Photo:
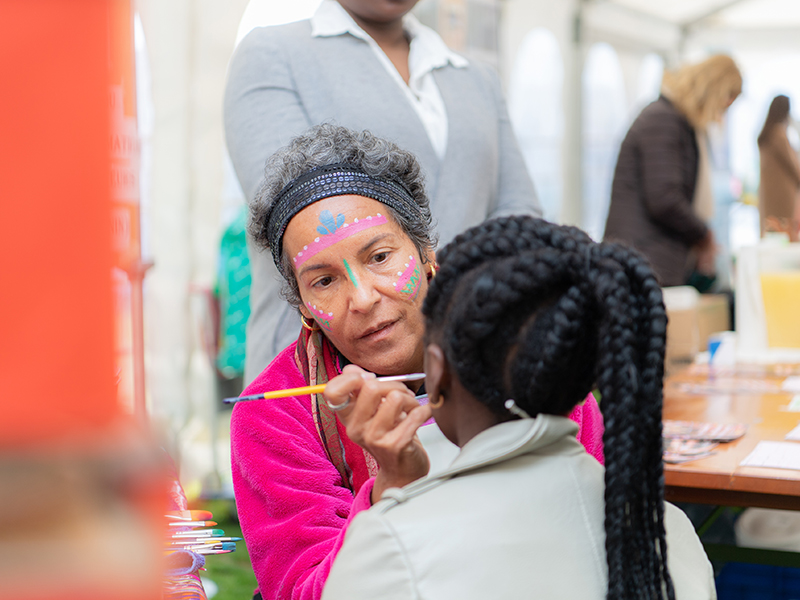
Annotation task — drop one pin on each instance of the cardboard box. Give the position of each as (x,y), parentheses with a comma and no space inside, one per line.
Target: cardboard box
(713,316)
(692,318)
(682,323)
(683,334)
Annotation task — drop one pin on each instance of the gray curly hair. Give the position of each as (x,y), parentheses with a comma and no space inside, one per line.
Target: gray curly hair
(328,144)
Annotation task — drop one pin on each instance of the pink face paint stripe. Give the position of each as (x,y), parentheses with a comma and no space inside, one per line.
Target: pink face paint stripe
(345,231)
(406,275)
(320,316)
(418,285)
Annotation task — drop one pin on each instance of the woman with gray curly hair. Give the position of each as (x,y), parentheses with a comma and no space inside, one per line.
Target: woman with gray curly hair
(347,220)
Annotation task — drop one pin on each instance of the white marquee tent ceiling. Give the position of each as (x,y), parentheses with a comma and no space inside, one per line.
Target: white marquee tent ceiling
(729,14)
(667,26)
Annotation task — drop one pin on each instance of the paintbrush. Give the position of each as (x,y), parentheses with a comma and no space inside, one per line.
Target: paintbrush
(203,541)
(314,389)
(192,523)
(189,515)
(207,552)
(198,533)
(204,548)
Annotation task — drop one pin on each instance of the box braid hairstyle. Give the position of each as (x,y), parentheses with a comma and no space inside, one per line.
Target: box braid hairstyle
(538,312)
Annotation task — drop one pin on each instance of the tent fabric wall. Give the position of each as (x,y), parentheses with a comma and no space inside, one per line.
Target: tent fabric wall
(188,47)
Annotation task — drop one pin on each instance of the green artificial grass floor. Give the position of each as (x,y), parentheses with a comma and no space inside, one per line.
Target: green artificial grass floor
(231,573)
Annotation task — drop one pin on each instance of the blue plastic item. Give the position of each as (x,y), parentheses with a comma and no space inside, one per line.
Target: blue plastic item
(741,581)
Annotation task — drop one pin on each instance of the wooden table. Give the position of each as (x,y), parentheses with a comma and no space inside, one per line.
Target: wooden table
(743,394)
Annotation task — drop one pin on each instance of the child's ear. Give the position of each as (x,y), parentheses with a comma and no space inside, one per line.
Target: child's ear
(437,372)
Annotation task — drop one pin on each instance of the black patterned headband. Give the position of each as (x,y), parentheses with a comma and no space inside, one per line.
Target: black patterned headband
(327,181)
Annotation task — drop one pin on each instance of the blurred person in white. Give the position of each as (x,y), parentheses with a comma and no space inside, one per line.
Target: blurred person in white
(779,191)
(369,64)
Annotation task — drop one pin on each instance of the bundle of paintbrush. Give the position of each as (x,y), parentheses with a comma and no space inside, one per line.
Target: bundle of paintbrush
(187,531)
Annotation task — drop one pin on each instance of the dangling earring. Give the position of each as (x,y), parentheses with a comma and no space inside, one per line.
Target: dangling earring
(306,325)
(432,272)
(438,403)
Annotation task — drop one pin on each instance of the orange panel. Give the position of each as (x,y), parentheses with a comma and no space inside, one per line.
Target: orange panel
(56,334)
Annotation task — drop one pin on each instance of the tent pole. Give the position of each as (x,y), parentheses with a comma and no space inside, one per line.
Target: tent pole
(572,208)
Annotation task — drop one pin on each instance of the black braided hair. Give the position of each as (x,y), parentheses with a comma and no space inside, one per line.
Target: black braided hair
(538,312)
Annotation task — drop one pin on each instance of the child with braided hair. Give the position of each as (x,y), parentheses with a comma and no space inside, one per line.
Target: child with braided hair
(523,319)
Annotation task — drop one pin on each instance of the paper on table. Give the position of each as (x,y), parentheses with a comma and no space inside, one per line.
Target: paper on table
(774,455)
(794,404)
(791,384)
(794,434)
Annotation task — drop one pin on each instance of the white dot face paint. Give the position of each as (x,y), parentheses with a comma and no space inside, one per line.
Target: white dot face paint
(333,230)
(321,317)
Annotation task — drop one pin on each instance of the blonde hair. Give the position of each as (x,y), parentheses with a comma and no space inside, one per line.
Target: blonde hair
(703,92)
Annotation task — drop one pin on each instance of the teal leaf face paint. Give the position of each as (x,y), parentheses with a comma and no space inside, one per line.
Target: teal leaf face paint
(410,280)
(320,316)
(350,273)
(329,225)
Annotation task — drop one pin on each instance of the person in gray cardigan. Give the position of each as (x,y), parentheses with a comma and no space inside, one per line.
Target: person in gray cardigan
(370,66)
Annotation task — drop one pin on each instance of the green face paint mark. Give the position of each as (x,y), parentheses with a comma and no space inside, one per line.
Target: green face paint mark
(350,273)
(410,279)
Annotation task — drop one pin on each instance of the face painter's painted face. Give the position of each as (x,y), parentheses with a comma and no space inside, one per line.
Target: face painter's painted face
(362,279)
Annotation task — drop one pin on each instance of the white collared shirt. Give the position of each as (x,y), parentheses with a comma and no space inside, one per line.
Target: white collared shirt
(427,53)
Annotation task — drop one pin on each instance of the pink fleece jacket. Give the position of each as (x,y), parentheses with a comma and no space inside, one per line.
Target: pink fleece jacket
(292,505)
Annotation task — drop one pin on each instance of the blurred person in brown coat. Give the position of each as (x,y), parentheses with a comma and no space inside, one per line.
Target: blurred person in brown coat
(779,192)
(661,196)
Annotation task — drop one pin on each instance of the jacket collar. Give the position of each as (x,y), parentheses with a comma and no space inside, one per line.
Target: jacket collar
(510,439)
(498,444)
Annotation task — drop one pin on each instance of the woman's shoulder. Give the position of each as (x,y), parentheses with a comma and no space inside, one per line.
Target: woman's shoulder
(282,373)
(660,121)
(265,48)
(775,139)
(278,47)
(661,106)
(263,43)
(289,33)
(660,112)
